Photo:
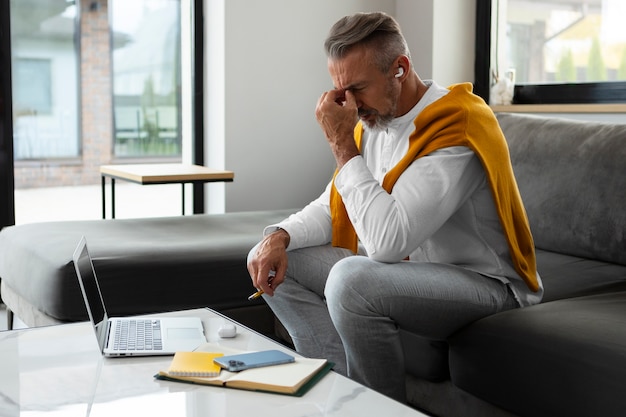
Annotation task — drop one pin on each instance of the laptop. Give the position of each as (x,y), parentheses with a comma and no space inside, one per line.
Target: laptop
(132,336)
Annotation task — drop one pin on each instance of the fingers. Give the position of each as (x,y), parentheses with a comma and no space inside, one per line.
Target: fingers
(336,112)
(329,100)
(324,104)
(269,283)
(268,266)
(350,101)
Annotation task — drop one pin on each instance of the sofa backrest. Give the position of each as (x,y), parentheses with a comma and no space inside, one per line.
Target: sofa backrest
(572,178)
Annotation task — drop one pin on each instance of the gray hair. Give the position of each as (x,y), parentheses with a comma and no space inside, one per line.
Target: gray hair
(377,31)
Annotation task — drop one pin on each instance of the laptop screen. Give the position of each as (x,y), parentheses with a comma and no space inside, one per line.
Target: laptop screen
(89,285)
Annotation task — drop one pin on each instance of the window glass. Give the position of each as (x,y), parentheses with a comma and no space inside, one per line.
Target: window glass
(561,41)
(33,82)
(45,80)
(146,77)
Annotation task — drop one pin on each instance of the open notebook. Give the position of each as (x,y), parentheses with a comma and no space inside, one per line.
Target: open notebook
(132,336)
(294,378)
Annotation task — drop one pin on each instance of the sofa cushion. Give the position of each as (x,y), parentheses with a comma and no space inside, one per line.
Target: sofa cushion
(572,178)
(143,265)
(566,276)
(564,357)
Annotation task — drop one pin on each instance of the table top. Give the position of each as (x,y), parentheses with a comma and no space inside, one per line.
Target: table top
(165,173)
(59,371)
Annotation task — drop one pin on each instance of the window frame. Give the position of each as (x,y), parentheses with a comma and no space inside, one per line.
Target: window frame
(608,92)
(7,185)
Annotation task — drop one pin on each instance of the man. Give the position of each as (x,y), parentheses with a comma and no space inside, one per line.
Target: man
(424,193)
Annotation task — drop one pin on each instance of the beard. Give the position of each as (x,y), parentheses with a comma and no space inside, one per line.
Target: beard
(381,121)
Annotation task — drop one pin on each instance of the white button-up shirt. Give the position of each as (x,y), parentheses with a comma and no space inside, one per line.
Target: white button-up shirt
(440,210)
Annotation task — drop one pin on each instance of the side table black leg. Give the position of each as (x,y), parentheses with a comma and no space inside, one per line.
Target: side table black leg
(104,205)
(183,197)
(9,319)
(112,197)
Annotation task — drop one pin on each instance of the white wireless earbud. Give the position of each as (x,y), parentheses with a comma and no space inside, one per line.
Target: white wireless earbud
(400,72)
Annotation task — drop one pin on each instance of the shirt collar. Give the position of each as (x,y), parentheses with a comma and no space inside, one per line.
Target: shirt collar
(434,93)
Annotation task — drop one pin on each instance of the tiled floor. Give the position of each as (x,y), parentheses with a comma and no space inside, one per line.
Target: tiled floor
(85,202)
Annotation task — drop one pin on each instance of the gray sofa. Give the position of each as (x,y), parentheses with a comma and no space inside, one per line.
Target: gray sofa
(566,356)
(144,265)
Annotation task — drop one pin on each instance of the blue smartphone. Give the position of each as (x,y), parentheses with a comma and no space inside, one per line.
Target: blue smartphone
(242,361)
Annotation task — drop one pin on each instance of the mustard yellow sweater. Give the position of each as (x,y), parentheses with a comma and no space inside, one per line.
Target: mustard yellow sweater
(460,118)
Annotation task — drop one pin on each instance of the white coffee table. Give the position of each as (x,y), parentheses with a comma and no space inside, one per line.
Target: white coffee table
(58,371)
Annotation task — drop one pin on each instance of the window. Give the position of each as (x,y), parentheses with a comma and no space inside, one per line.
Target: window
(146,77)
(558,51)
(33,91)
(45,80)
(58,127)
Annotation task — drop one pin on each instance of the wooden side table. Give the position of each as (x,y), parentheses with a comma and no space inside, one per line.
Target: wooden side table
(148,174)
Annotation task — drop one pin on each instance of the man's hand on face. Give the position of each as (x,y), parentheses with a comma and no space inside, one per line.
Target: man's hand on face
(337,114)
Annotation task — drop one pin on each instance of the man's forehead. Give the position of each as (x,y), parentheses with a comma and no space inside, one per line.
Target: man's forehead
(350,70)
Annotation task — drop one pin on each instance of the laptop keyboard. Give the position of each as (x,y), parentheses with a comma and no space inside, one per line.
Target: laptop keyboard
(138,335)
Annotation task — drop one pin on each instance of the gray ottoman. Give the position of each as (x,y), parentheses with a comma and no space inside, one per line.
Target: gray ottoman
(144,265)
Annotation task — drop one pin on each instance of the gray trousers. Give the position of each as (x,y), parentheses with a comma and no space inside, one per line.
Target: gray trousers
(348,309)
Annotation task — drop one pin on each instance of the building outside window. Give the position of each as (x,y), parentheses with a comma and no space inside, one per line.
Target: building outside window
(45,80)
(564,41)
(95,82)
(557,51)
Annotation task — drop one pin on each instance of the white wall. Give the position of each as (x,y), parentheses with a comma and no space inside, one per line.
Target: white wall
(266,69)
(441,35)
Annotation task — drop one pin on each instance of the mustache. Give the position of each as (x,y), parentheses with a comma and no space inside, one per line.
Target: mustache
(366,112)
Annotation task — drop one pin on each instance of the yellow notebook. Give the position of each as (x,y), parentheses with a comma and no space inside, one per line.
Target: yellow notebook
(199,364)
